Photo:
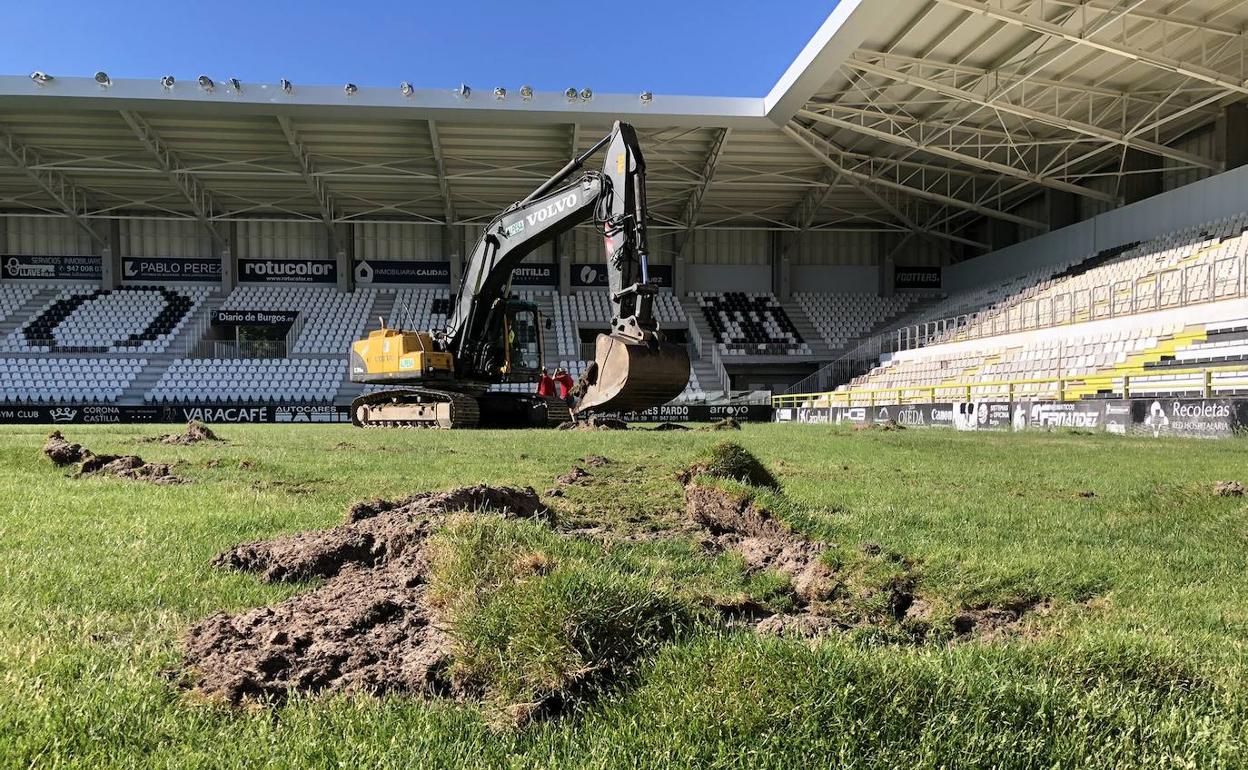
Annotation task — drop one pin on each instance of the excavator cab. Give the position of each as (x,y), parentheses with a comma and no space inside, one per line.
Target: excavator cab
(521,342)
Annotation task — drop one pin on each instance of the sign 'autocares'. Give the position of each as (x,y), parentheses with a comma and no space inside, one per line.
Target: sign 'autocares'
(287,271)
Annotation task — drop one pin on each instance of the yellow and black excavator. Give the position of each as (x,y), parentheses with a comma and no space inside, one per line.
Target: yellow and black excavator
(442,376)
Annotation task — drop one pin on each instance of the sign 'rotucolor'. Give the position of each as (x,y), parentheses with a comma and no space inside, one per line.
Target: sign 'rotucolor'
(287,271)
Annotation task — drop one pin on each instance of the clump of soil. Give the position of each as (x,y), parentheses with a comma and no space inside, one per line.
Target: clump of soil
(889,425)
(1228,489)
(669,426)
(62,453)
(195,432)
(728,460)
(596,461)
(368,629)
(594,422)
(725,424)
(574,476)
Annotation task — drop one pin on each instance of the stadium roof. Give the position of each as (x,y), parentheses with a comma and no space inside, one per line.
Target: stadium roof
(919,116)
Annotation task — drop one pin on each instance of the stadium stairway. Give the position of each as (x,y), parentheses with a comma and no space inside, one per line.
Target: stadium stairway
(383,305)
(158,363)
(708,375)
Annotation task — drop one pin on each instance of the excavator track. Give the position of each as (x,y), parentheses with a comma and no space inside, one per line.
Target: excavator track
(415,408)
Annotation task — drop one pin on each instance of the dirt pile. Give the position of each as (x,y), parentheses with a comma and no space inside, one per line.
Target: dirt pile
(889,425)
(1228,489)
(368,629)
(670,426)
(63,453)
(195,432)
(594,422)
(725,424)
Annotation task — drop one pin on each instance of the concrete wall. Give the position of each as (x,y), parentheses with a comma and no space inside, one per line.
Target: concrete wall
(1212,198)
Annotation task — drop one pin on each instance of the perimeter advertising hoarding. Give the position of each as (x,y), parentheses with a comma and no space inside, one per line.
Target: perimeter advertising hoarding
(287,271)
(370,271)
(1190,417)
(31,268)
(158,269)
(595,274)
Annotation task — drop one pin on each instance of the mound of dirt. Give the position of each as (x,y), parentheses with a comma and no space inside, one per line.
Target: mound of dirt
(830,596)
(765,544)
(368,629)
(574,476)
(669,426)
(1228,489)
(594,422)
(725,424)
(890,425)
(62,453)
(195,432)
(596,461)
(728,460)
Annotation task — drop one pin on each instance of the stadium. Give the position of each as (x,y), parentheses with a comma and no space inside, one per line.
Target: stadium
(1022,221)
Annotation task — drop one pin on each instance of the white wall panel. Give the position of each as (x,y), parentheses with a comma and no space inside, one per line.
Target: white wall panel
(46,236)
(282,240)
(729,247)
(398,241)
(164,238)
(836,247)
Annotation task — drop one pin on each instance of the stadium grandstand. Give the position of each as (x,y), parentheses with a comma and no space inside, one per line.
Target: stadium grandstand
(939,202)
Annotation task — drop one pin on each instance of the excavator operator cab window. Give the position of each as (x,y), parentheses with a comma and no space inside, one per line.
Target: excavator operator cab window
(523,342)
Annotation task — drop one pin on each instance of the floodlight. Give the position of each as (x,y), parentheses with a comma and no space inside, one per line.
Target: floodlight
(586,94)
(103,79)
(42,78)
(206,83)
(570,93)
(167,81)
(526,92)
(237,85)
(406,89)
(500,93)
(464,91)
(351,88)
(646,97)
(287,86)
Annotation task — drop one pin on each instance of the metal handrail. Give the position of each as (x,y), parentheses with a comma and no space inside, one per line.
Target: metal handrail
(1117,383)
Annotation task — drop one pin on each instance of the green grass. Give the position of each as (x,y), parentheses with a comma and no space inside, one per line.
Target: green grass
(1142,663)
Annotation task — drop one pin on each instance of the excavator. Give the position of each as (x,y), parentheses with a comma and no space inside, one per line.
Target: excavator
(441,378)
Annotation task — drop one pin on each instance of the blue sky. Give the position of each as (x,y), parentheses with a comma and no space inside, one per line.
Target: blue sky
(707,47)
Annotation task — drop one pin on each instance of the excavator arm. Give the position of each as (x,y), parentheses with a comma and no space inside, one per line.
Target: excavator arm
(634,367)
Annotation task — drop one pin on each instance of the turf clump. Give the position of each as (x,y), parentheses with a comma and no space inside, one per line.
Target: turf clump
(731,461)
(540,621)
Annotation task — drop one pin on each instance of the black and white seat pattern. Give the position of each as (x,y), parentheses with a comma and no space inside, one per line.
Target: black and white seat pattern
(750,324)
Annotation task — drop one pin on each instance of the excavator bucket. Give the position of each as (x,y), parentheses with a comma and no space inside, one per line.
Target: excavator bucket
(632,376)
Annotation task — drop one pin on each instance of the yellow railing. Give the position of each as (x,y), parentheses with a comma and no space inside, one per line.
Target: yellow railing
(1042,388)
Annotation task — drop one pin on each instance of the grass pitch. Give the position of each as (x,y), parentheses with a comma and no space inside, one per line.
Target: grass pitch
(1141,662)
